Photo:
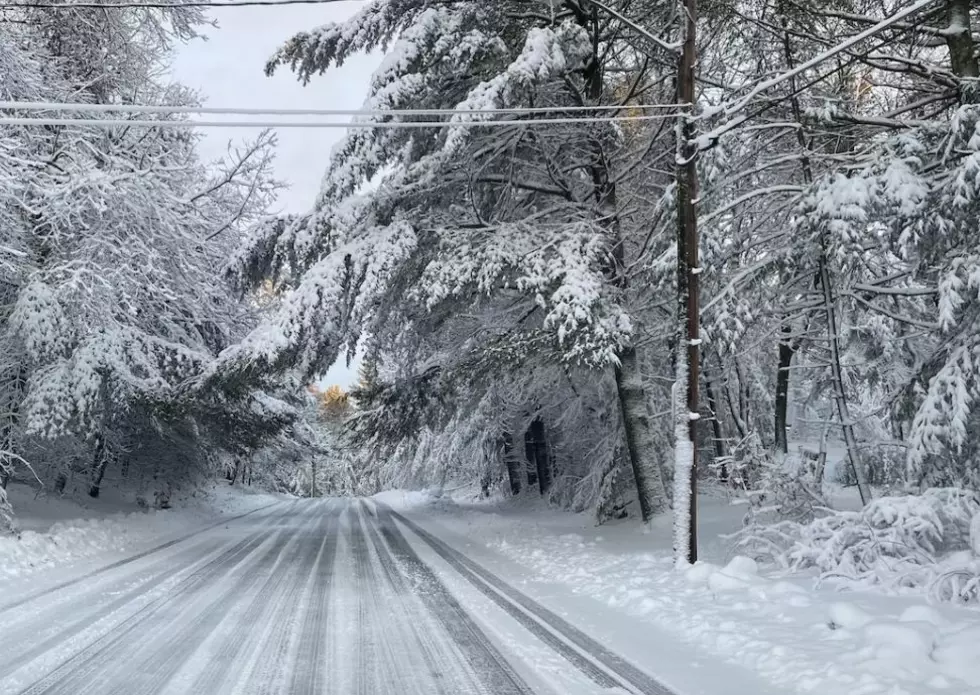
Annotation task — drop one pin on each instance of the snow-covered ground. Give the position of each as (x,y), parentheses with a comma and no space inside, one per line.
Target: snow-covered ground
(305,597)
(71,534)
(782,630)
(573,608)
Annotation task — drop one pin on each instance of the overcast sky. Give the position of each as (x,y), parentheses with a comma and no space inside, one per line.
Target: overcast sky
(227,69)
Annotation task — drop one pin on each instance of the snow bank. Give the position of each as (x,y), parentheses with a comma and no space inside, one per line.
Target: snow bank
(70,541)
(62,532)
(409,499)
(798,638)
(922,645)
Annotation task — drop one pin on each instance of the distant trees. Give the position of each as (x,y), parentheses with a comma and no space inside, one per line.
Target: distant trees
(312,458)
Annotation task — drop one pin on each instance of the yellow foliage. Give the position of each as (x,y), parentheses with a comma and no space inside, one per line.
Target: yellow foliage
(334,402)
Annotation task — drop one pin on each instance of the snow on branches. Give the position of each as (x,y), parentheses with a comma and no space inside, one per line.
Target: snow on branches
(111,238)
(309,329)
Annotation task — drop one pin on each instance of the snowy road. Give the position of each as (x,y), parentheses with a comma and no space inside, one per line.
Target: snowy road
(325,596)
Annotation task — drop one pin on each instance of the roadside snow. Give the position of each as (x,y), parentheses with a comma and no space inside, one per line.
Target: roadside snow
(402,500)
(60,531)
(793,635)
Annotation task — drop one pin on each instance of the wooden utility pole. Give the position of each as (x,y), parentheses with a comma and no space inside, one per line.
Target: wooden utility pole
(688,309)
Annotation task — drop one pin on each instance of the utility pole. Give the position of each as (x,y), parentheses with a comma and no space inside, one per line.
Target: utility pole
(685,397)
(688,293)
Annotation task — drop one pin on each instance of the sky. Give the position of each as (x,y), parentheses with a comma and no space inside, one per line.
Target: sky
(228,70)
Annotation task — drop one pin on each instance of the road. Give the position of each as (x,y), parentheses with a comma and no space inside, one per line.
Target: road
(301,598)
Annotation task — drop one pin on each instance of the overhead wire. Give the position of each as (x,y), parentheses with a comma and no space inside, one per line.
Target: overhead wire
(373,113)
(163,5)
(122,122)
(730,109)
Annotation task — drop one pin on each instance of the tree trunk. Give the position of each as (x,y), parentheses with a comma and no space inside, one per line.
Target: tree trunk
(824,281)
(9,427)
(513,470)
(744,400)
(99,464)
(634,409)
(640,444)
(234,472)
(716,430)
(538,448)
(740,427)
(959,39)
(786,351)
(840,398)
(530,463)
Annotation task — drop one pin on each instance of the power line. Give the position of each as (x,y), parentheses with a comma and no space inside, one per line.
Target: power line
(373,113)
(162,5)
(122,122)
(669,47)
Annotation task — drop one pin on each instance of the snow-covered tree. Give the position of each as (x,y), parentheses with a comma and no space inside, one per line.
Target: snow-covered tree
(111,237)
(526,223)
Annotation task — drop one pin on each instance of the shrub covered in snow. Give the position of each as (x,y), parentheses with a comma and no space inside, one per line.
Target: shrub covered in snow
(778,488)
(903,541)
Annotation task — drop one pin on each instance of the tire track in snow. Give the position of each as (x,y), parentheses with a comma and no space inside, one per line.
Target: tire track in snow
(278,595)
(424,638)
(157,574)
(166,660)
(312,632)
(535,617)
(13,660)
(74,675)
(497,675)
(394,619)
(368,617)
(267,660)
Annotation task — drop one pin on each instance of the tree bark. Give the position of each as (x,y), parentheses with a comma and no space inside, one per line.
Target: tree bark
(100,462)
(740,426)
(538,448)
(513,471)
(634,409)
(530,462)
(787,349)
(716,429)
(824,281)
(7,431)
(959,39)
(640,444)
